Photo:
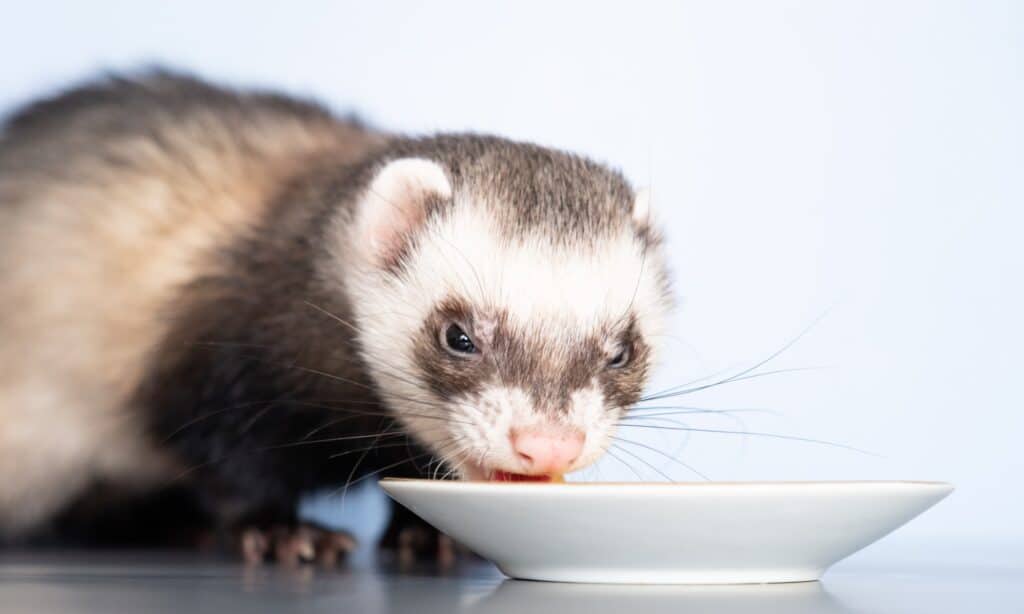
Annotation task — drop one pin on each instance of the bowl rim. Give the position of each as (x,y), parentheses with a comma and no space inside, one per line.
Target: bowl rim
(691,486)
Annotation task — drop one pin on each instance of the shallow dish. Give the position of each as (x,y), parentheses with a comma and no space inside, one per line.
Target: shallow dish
(690,533)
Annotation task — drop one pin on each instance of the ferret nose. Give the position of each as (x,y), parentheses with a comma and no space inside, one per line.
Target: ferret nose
(547,450)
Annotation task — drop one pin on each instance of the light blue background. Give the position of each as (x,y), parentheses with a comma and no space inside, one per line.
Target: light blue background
(862,157)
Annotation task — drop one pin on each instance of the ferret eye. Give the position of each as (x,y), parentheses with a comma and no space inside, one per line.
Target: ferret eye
(621,359)
(458,341)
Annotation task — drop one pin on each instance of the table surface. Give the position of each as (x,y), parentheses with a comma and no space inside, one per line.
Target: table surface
(80,581)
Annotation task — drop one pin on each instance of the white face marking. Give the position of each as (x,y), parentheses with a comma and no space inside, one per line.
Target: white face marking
(487,418)
(557,293)
(589,412)
(462,254)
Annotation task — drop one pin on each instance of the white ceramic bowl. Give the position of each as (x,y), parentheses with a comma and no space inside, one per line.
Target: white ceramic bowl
(693,533)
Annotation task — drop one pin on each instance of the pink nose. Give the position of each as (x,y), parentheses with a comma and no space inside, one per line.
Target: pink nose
(547,451)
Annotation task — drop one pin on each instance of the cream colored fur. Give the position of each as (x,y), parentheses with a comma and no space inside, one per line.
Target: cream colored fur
(91,255)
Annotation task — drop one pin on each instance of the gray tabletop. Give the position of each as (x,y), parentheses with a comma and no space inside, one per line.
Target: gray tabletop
(976,581)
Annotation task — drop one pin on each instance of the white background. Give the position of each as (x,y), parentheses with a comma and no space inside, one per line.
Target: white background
(859,158)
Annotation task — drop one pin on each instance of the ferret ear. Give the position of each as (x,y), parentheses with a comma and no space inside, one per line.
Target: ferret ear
(395,204)
(642,208)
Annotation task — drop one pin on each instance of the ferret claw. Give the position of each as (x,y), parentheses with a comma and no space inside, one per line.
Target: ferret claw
(411,540)
(293,545)
(417,544)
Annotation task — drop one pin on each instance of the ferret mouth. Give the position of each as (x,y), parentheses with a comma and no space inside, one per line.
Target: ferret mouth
(507,476)
(479,474)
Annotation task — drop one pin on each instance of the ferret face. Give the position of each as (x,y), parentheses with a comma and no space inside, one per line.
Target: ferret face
(507,337)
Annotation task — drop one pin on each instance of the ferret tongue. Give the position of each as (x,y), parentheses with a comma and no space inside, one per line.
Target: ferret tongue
(505,476)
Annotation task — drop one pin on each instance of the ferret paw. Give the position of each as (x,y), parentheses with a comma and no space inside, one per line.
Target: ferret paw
(290,545)
(415,542)
(425,543)
(409,539)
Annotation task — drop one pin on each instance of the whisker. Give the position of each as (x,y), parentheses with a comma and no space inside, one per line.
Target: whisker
(728,380)
(378,446)
(339,378)
(359,461)
(393,370)
(760,363)
(449,449)
(729,414)
(657,451)
(609,452)
(254,419)
(644,461)
(381,470)
(656,419)
(408,449)
(472,267)
(679,410)
(636,288)
(354,413)
(350,381)
(307,442)
(756,434)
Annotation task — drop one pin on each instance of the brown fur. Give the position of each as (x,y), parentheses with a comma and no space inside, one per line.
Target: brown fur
(531,189)
(111,200)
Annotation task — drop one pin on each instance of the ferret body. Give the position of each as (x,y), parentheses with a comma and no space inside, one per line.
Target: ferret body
(242,297)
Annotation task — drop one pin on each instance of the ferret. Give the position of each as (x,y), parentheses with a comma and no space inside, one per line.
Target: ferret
(215,301)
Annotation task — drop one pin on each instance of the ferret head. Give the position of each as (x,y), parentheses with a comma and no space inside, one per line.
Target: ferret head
(508,300)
